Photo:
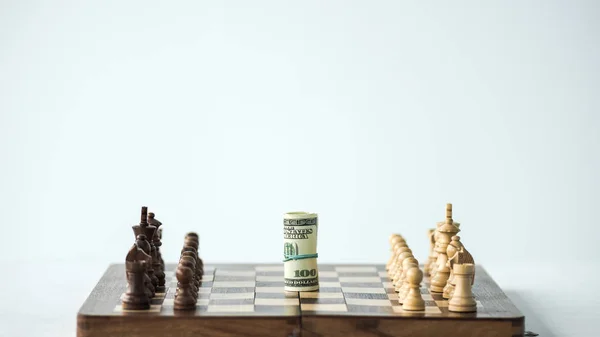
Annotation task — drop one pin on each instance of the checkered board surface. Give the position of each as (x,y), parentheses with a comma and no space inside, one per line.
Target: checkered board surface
(258,290)
(236,290)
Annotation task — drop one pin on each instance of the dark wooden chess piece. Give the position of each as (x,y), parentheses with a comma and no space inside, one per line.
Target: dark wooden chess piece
(188,261)
(194,259)
(142,244)
(138,295)
(158,262)
(135,298)
(185,299)
(192,239)
(148,232)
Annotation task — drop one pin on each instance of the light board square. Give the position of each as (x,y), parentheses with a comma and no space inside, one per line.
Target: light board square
(269,268)
(326,273)
(262,278)
(364,269)
(231,308)
(234,284)
(330,285)
(231,296)
(323,307)
(224,272)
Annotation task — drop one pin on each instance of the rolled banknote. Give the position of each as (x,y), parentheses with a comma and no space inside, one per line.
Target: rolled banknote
(300,251)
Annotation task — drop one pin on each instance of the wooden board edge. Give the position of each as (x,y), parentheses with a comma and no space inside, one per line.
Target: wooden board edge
(167,326)
(364,326)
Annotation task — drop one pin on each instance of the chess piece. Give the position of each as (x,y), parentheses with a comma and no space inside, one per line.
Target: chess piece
(193,240)
(399,248)
(405,253)
(189,262)
(135,298)
(430,259)
(407,264)
(462,300)
(413,301)
(158,264)
(185,299)
(148,232)
(434,254)
(457,254)
(394,239)
(442,272)
(194,267)
(137,253)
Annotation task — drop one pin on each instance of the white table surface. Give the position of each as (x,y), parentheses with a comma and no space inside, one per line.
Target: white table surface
(43,299)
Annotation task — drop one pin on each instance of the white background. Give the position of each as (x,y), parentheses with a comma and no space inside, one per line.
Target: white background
(221,117)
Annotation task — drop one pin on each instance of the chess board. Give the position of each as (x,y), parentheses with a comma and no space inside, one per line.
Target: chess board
(249,300)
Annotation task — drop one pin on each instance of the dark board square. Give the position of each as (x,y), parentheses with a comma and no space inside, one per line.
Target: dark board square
(380,267)
(270,284)
(391,291)
(322,301)
(269,273)
(206,284)
(201,308)
(330,290)
(366,296)
(361,285)
(369,309)
(437,296)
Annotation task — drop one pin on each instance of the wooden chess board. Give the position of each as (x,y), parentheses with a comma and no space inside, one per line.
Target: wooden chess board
(249,300)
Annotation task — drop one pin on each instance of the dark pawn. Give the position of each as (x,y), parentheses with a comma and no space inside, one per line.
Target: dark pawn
(185,299)
(191,239)
(197,273)
(135,298)
(187,261)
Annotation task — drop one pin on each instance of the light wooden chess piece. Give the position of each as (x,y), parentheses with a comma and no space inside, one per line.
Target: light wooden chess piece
(442,272)
(394,239)
(434,254)
(399,247)
(399,263)
(403,253)
(457,254)
(462,300)
(430,259)
(407,264)
(413,301)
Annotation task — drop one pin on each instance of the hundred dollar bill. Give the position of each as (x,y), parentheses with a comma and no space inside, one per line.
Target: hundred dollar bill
(300,251)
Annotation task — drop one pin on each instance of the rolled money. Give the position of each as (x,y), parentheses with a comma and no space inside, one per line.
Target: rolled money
(300,251)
